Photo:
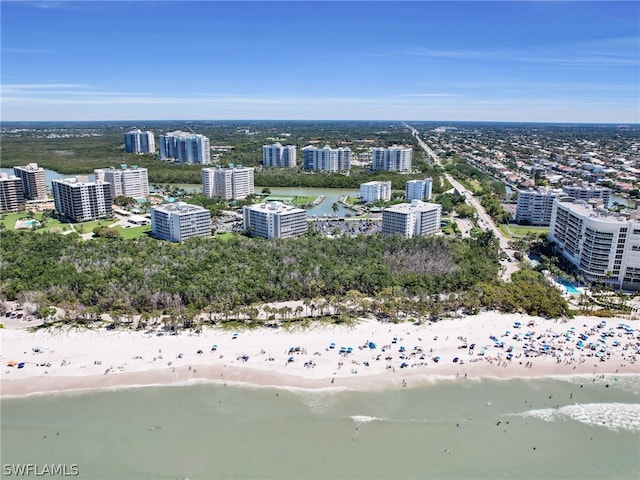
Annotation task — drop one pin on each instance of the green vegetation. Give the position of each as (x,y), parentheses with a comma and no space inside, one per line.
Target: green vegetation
(515,231)
(229,272)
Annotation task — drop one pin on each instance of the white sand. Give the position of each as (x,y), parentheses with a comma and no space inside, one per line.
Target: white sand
(80,359)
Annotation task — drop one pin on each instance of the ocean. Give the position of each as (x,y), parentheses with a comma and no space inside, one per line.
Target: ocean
(552,428)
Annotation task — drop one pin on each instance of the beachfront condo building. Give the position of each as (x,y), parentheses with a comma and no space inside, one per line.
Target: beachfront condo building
(279,156)
(392,159)
(602,246)
(185,147)
(535,206)
(412,219)
(588,191)
(179,221)
(326,159)
(418,189)
(229,183)
(137,141)
(82,201)
(11,193)
(274,220)
(125,181)
(34,185)
(371,192)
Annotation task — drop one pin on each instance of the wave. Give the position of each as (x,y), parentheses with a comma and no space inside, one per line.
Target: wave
(614,416)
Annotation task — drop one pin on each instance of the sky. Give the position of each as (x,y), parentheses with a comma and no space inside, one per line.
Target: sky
(520,61)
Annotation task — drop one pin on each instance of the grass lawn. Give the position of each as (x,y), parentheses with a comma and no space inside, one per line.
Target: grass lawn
(277,198)
(303,200)
(134,232)
(225,237)
(521,230)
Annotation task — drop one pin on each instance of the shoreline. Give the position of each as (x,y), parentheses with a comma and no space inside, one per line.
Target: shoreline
(381,355)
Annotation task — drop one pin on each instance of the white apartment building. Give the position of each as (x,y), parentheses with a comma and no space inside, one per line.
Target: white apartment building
(185,147)
(535,206)
(229,183)
(274,220)
(412,219)
(602,246)
(176,222)
(140,142)
(11,193)
(392,159)
(588,191)
(131,182)
(34,186)
(82,201)
(371,192)
(326,159)
(418,189)
(280,156)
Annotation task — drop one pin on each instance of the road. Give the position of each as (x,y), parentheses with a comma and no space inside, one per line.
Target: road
(509,265)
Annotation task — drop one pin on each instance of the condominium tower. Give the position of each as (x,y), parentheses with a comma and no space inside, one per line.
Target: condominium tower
(412,219)
(371,192)
(327,159)
(587,191)
(33,182)
(274,220)
(602,246)
(229,183)
(185,147)
(418,190)
(179,221)
(277,155)
(82,201)
(11,194)
(130,182)
(392,159)
(137,141)
(535,206)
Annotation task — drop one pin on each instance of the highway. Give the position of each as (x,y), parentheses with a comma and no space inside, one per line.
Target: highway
(509,265)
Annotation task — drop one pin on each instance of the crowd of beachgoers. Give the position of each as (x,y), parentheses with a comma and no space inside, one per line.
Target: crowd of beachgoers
(368,355)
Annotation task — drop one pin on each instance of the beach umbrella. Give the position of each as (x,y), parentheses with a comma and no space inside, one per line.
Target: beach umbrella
(333,345)
(436,359)
(372,345)
(12,363)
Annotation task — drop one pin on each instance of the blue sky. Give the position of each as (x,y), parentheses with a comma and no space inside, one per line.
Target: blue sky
(539,61)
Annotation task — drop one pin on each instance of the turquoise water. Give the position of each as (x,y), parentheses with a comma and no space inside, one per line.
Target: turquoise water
(578,428)
(568,286)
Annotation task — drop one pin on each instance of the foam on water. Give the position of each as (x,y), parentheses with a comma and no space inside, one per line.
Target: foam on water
(615,416)
(365,418)
(628,383)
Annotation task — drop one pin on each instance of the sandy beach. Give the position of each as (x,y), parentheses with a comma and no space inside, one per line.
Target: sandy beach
(369,355)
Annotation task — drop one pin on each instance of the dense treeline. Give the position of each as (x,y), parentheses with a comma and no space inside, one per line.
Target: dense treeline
(144,275)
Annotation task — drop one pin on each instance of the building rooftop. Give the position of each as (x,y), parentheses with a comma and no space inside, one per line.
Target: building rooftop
(414,206)
(179,208)
(275,207)
(595,210)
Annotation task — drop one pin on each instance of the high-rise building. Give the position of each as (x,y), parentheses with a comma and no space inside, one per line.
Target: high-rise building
(137,141)
(82,201)
(327,159)
(418,190)
(274,220)
(277,155)
(602,246)
(535,206)
(179,221)
(412,219)
(588,191)
(130,182)
(33,182)
(185,147)
(11,193)
(230,183)
(392,159)
(371,192)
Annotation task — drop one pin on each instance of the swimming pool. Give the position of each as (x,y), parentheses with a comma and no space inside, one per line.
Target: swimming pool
(568,287)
